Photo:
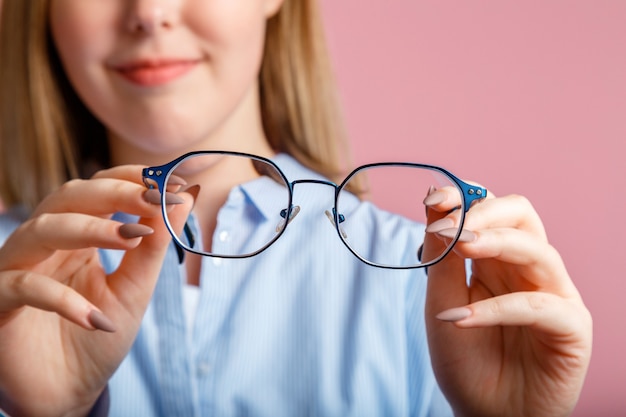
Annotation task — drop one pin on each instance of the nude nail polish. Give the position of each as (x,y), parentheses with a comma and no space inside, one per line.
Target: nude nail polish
(434,198)
(133,230)
(101,322)
(454,314)
(153,196)
(466,236)
(441,224)
(431,190)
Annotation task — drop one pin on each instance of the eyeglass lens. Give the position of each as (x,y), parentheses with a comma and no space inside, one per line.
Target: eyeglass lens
(385,227)
(388,229)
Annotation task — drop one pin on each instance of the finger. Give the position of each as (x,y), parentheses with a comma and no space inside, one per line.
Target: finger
(448,198)
(541,311)
(133,173)
(103,196)
(446,288)
(517,254)
(444,203)
(447,279)
(447,284)
(26,288)
(538,262)
(40,237)
(133,282)
(512,211)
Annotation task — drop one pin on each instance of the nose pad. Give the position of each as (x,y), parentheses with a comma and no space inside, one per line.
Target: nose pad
(285,221)
(332,221)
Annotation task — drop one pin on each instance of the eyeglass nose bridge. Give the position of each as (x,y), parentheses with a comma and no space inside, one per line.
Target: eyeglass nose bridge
(289,215)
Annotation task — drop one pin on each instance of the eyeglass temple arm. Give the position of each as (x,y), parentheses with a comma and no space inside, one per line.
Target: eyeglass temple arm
(191,237)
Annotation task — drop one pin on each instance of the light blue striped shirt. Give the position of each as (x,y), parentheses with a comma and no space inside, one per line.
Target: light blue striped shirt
(304,328)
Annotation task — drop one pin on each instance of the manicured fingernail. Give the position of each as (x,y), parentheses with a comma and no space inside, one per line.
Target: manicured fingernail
(431,190)
(101,322)
(454,314)
(133,230)
(465,236)
(434,198)
(441,224)
(153,196)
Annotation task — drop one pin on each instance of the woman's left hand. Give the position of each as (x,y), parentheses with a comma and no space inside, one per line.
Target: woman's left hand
(517,340)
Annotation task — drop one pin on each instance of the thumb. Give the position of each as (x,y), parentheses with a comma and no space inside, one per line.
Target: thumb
(447,279)
(544,312)
(134,281)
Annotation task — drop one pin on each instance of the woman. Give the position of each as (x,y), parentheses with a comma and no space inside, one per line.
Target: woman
(110,87)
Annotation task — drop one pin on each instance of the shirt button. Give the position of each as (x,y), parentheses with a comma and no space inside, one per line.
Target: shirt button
(223,236)
(204,368)
(217,261)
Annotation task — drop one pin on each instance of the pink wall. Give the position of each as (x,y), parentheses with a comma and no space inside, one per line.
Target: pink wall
(525,97)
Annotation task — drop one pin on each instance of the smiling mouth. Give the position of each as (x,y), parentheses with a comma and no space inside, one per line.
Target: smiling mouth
(151,74)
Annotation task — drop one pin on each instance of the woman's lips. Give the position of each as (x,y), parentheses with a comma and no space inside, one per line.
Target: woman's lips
(155,73)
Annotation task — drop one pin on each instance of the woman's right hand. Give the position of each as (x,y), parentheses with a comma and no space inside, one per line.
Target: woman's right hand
(65,325)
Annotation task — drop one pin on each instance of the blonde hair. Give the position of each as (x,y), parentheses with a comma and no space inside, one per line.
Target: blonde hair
(47,136)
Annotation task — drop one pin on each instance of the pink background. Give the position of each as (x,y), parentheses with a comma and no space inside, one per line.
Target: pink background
(526,97)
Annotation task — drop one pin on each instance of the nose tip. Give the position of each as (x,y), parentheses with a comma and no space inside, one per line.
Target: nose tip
(149,16)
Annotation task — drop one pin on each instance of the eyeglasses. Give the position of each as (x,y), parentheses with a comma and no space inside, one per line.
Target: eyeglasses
(261,202)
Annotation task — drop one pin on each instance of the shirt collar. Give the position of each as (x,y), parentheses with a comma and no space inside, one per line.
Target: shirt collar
(266,194)
(293,169)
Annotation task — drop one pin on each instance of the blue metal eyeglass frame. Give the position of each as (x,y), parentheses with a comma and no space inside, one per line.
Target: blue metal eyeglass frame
(159,175)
